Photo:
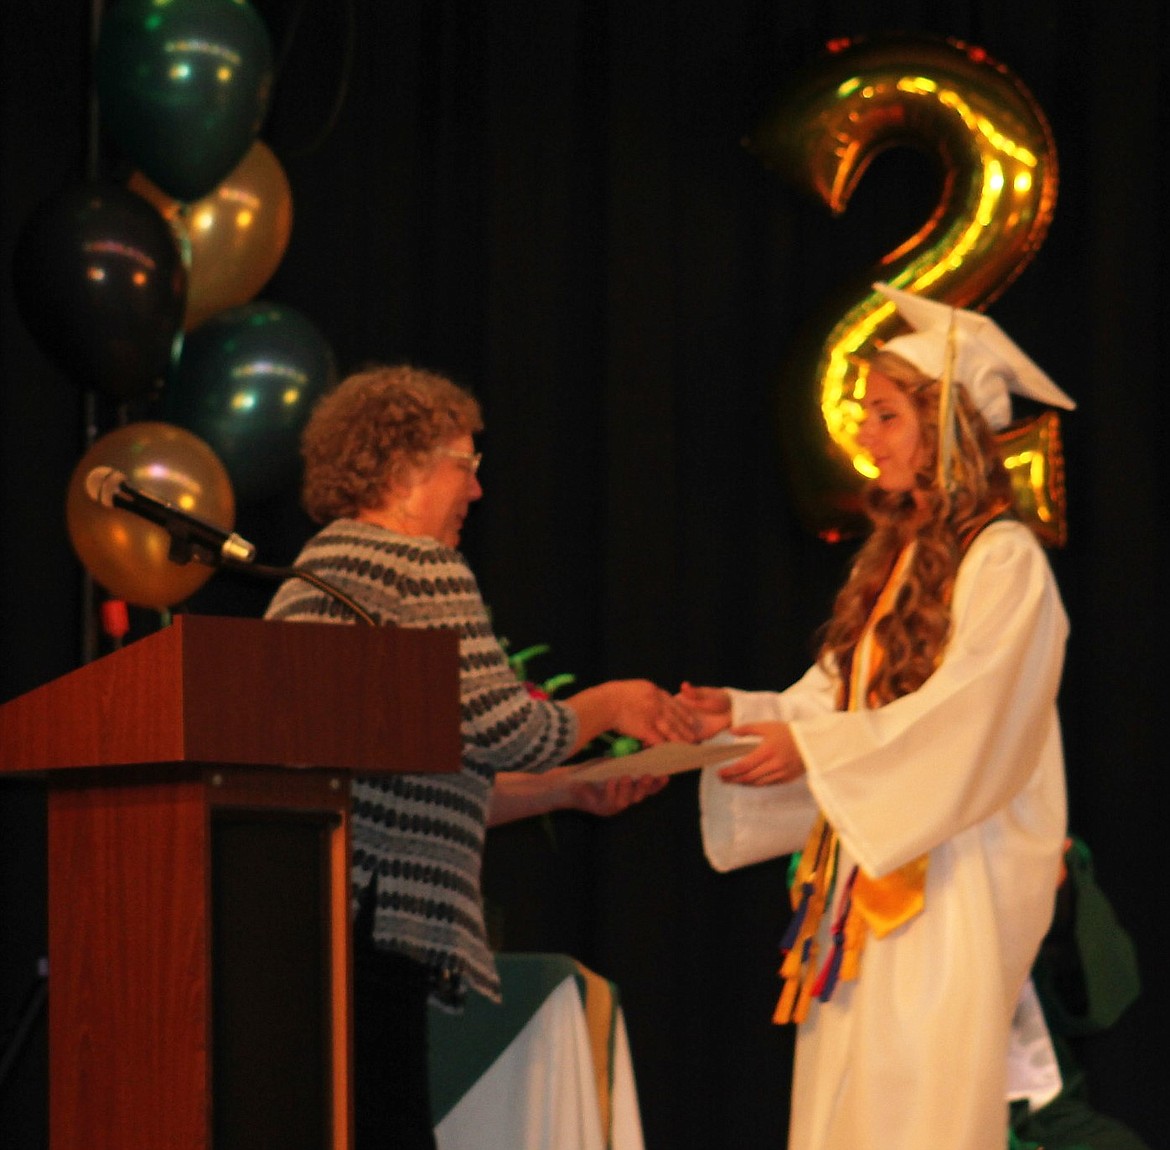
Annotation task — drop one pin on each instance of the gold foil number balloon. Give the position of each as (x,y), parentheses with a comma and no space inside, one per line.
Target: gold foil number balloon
(996,201)
(1034,456)
(126,554)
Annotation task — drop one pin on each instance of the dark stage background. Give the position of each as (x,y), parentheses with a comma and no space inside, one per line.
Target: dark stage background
(551,202)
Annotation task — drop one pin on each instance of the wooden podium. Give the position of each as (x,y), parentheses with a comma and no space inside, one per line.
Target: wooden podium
(199,943)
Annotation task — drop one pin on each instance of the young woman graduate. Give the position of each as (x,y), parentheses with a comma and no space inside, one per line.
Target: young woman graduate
(918,764)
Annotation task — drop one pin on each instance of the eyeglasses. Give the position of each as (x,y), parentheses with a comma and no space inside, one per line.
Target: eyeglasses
(471,458)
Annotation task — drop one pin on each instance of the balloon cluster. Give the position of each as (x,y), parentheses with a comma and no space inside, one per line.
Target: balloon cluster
(145,291)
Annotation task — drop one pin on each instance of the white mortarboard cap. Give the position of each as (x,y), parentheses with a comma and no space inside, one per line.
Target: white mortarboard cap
(988,363)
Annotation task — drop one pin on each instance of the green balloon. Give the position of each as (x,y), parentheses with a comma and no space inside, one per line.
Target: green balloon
(183,87)
(245,383)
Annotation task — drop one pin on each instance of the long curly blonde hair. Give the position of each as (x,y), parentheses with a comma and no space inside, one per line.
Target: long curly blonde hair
(916,630)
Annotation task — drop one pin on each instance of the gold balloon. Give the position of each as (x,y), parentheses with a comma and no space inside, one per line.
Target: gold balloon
(235,237)
(996,202)
(126,554)
(1034,457)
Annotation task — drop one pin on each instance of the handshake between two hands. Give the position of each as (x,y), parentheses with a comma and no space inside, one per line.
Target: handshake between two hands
(696,715)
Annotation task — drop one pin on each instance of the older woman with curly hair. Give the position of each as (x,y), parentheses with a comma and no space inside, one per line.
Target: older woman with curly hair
(918,764)
(391,469)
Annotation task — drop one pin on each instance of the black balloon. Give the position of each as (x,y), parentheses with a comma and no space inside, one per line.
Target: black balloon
(101,286)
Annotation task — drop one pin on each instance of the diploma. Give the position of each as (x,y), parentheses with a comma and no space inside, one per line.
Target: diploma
(667,759)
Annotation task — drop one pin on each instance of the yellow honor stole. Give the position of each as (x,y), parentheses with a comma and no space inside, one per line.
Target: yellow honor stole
(867,904)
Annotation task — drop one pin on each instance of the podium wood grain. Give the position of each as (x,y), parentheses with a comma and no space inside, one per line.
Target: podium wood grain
(163,762)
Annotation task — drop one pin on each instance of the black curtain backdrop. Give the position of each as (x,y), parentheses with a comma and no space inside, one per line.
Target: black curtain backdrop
(551,202)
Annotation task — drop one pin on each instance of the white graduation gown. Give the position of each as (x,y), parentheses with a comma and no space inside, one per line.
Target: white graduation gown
(969,769)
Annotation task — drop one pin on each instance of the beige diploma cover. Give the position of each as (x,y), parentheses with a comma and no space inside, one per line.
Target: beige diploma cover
(668,759)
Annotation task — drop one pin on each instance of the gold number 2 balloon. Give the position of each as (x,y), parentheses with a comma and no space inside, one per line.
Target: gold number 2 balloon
(996,201)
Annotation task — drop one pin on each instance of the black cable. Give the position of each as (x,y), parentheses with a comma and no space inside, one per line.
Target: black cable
(280,574)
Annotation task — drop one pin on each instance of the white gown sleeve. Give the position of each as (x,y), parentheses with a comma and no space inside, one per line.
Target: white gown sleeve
(745,825)
(898,781)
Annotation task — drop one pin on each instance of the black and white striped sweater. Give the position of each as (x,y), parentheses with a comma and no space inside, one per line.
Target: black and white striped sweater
(423,835)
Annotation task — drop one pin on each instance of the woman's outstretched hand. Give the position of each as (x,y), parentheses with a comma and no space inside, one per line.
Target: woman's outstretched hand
(607,797)
(651,714)
(776,759)
(634,707)
(521,794)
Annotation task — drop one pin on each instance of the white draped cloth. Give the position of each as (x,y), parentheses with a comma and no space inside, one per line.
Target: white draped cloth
(968,770)
(541,1092)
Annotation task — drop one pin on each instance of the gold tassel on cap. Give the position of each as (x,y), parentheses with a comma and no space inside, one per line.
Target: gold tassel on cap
(946,413)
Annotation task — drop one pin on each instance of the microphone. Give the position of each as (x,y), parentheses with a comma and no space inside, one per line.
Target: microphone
(191,537)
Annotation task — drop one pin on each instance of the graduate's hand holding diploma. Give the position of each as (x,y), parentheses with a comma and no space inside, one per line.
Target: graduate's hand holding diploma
(775,760)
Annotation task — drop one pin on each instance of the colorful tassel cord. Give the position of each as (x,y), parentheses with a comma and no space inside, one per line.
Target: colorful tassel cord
(810,891)
(827,980)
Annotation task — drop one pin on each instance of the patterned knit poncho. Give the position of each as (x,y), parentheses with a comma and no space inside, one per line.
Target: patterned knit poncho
(423,835)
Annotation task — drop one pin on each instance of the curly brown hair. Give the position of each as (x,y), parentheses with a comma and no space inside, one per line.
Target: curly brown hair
(364,434)
(915,632)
